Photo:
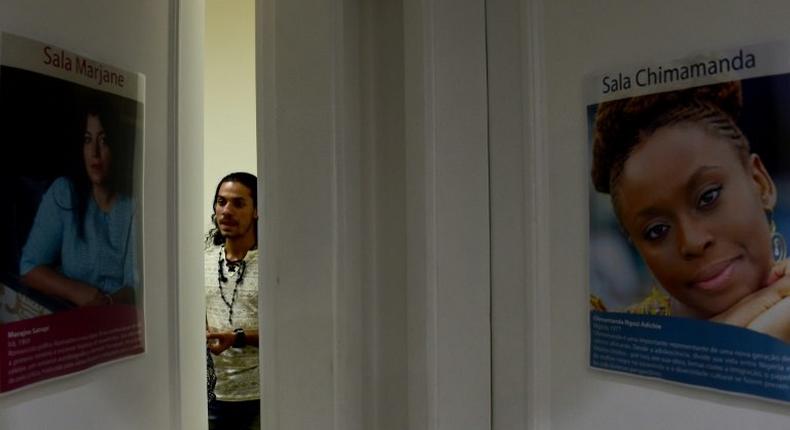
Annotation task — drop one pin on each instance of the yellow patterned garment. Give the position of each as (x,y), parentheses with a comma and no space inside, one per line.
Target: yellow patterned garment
(656,303)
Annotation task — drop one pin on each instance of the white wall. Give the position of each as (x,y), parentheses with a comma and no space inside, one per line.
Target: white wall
(372,125)
(560,42)
(229,93)
(136,393)
(385,387)
(310,289)
(189,223)
(448,244)
(331,194)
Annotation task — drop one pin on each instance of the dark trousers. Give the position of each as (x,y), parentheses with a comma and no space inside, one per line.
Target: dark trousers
(234,415)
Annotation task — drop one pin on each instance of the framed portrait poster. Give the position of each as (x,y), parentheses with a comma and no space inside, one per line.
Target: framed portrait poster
(689,277)
(71,286)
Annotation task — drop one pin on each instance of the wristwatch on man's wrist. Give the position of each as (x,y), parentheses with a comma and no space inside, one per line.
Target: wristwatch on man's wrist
(241,338)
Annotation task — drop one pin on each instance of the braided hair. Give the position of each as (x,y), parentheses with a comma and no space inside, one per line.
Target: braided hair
(620,125)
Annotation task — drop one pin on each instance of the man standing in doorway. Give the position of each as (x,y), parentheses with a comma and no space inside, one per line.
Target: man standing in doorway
(231,278)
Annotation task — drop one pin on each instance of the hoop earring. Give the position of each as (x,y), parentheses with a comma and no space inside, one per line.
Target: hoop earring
(778,244)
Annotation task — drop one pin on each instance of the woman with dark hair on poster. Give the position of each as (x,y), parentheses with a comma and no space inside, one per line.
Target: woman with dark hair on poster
(81,245)
(697,205)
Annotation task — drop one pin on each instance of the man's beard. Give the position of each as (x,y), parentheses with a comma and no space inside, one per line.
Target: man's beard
(235,232)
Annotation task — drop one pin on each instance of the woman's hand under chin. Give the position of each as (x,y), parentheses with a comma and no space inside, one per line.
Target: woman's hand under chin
(775,321)
(767,310)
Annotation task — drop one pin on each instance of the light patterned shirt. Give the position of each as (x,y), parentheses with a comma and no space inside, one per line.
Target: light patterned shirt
(237,369)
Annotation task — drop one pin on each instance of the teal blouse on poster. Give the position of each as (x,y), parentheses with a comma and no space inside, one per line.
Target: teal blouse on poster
(103,258)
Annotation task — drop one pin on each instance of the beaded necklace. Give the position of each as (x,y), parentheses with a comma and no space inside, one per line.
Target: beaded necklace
(242,266)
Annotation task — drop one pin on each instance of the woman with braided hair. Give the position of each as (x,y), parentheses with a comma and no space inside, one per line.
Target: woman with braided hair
(696,204)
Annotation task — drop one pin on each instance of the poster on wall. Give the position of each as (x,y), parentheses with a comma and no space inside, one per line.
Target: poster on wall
(71,287)
(689,275)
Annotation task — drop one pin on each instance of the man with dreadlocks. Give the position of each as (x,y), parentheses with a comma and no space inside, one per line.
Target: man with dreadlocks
(231,278)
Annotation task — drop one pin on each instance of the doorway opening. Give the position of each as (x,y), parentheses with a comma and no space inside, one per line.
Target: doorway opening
(229,146)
